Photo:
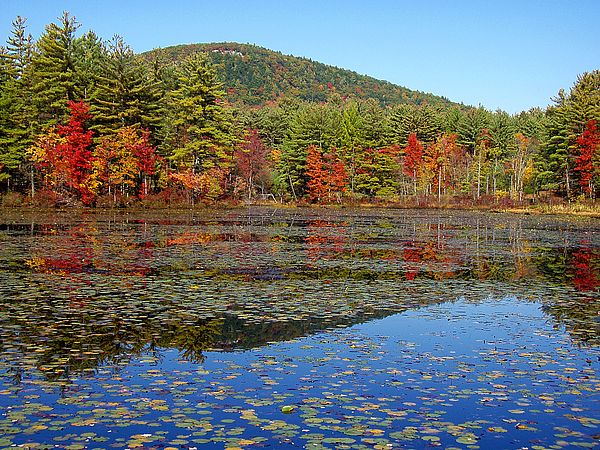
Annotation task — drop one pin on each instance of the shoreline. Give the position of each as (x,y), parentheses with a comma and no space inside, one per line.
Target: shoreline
(575,210)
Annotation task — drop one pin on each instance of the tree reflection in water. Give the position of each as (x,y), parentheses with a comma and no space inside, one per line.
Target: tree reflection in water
(83,292)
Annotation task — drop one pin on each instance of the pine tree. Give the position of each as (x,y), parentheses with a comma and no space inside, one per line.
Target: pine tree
(378,172)
(584,101)
(204,135)
(8,159)
(53,72)
(471,127)
(88,57)
(19,47)
(15,104)
(125,95)
(317,125)
(553,162)
(407,119)
(567,119)
(353,138)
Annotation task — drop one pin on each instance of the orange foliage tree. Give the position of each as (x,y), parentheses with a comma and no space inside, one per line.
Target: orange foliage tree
(326,173)
(437,158)
(413,159)
(124,161)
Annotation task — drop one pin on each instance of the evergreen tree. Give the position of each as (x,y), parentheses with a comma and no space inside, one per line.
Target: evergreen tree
(15,103)
(19,47)
(126,95)
(584,101)
(9,160)
(204,134)
(162,76)
(378,172)
(53,71)
(471,127)
(88,56)
(502,132)
(532,124)
(317,125)
(451,119)
(372,124)
(407,119)
(567,119)
(273,123)
(353,139)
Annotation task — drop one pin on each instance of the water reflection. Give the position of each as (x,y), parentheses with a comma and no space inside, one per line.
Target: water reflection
(90,290)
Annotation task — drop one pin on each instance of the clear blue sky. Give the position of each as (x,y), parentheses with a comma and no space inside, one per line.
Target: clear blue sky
(508,54)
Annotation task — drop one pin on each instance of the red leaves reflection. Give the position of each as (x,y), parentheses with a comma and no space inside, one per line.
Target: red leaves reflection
(585,264)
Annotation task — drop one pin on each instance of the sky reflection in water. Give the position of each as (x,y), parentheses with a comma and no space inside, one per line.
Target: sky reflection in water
(375,327)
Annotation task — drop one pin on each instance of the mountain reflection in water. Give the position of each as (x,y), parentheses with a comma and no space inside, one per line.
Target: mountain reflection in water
(82,290)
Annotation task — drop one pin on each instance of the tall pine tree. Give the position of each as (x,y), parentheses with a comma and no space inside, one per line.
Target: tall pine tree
(88,57)
(53,72)
(15,104)
(203,133)
(126,94)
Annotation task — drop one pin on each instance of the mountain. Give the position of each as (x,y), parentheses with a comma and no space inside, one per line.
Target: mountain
(254,76)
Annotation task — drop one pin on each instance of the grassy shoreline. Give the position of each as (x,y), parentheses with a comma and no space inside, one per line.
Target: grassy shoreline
(590,210)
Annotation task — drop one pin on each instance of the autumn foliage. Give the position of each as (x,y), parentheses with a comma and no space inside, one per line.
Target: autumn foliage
(251,159)
(327,177)
(72,167)
(123,162)
(64,155)
(587,151)
(326,136)
(413,156)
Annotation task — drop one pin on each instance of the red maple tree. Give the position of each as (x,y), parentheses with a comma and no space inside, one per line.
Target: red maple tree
(146,159)
(64,154)
(413,156)
(587,147)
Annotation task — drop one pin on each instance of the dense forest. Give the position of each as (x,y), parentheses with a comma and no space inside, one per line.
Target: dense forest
(255,76)
(88,122)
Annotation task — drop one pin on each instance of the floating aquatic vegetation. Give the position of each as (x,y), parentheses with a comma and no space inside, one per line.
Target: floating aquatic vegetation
(335,329)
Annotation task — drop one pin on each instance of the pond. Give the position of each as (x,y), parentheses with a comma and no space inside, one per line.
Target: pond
(298,328)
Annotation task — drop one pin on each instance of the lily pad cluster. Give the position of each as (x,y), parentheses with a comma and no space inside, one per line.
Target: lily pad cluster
(315,328)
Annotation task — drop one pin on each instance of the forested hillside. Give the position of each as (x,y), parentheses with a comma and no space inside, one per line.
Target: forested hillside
(85,121)
(255,75)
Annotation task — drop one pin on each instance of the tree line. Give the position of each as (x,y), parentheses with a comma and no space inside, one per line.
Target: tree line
(87,121)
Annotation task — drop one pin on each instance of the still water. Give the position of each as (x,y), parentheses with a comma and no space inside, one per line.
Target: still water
(298,328)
